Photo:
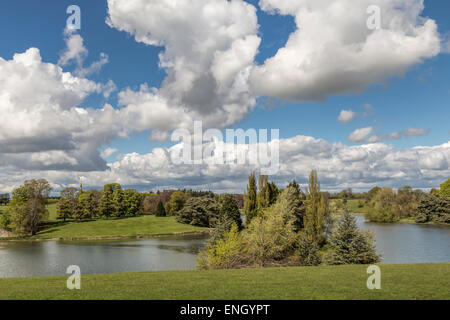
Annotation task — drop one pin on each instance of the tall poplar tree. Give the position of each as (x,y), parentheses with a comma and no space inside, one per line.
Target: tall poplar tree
(250,204)
(316,210)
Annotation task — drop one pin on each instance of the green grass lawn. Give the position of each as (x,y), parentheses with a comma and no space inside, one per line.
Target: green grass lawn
(122,227)
(409,281)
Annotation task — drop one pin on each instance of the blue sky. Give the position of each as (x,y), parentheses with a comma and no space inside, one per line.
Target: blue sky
(419,99)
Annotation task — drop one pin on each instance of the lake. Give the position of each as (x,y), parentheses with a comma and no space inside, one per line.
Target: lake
(398,243)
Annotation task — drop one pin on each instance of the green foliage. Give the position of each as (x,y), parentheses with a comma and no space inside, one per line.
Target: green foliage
(228,210)
(444,190)
(271,236)
(67,206)
(160,210)
(27,206)
(250,202)
(176,203)
(108,203)
(263,196)
(433,209)
(132,203)
(308,251)
(407,201)
(349,245)
(225,253)
(317,211)
(382,207)
(434,192)
(5,220)
(199,211)
(89,204)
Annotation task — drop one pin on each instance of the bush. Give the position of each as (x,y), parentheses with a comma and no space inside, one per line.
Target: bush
(225,253)
(201,211)
(349,245)
(433,209)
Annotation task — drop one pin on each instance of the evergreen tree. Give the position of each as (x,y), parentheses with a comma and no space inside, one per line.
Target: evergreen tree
(349,245)
(229,211)
(160,211)
(250,204)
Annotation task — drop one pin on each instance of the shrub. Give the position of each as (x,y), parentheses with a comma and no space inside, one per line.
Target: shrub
(349,245)
(225,253)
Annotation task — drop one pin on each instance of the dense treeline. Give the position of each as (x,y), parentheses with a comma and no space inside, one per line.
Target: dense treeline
(388,205)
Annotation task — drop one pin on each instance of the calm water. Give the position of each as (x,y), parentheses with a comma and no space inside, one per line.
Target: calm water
(26,259)
(410,243)
(398,243)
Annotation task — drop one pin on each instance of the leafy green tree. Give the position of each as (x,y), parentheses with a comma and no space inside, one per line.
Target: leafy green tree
(176,203)
(382,207)
(250,202)
(228,210)
(27,206)
(407,201)
(316,214)
(293,206)
(199,211)
(444,191)
(349,245)
(371,194)
(273,193)
(108,203)
(132,201)
(89,204)
(67,206)
(160,210)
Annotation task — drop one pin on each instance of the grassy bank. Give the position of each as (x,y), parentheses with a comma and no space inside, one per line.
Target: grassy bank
(410,281)
(114,228)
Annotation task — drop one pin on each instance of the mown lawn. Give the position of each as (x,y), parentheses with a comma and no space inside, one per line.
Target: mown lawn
(409,281)
(123,227)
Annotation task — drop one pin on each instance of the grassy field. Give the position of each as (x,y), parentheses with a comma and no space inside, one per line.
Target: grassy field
(409,281)
(125,227)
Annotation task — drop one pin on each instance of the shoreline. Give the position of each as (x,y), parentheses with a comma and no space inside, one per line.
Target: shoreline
(100,238)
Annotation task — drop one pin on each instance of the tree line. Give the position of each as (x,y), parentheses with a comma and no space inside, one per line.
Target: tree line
(388,205)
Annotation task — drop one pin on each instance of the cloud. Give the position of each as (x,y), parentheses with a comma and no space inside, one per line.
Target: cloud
(333,51)
(360,135)
(410,132)
(346,116)
(209,50)
(43,125)
(360,167)
(413,132)
(108,152)
(76,52)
